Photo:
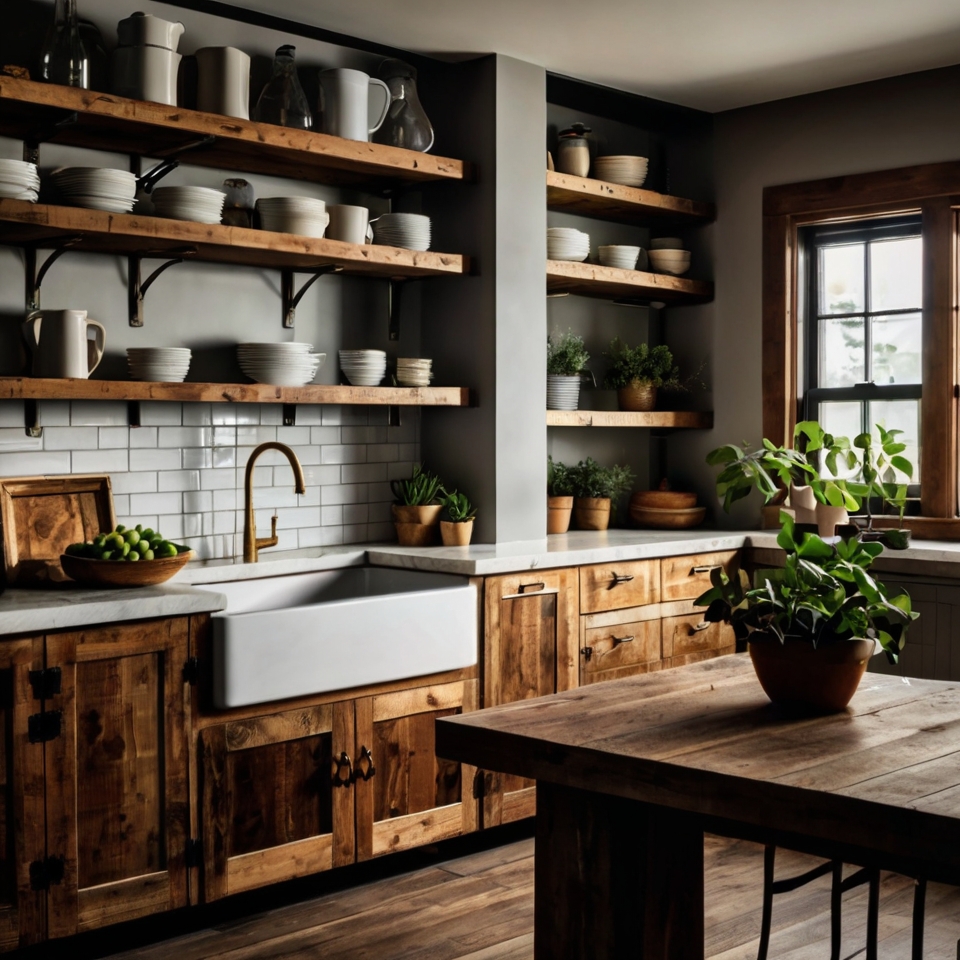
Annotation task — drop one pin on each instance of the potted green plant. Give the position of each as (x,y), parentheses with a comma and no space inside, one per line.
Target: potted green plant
(559,496)
(457,531)
(812,626)
(416,513)
(877,478)
(566,359)
(637,372)
(595,487)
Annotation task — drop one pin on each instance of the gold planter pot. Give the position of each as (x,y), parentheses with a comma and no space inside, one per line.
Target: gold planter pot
(638,396)
(558,514)
(592,513)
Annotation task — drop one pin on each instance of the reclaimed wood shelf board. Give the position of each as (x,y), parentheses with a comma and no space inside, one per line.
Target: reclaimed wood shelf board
(692,419)
(118,233)
(612,283)
(613,201)
(31,110)
(27,388)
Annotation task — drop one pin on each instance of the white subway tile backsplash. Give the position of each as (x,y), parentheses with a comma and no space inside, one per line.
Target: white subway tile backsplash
(133,482)
(178,480)
(11,413)
(331,516)
(249,436)
(71,438)
(356,453)
(293,436)
(156,413)
(400,470)
(171,525)
(54,413)
(322,435)
(156,503)
(184,436)
(121,504)
(382,452)
(317,476)
(197,501)
(192,525)
(100,413)
(230,499)
(355,513)
(271,414)
(379,491)
(114,438)
(354,533)
(331,536)
(363,434)
(197,414)
(343,493)
(13,439)
(154,459)
(363,472)
(380,512)
(197,458)
(310,537)
(408,451)
(309,414)
(218,479)
(99,461)
(224,457)
(143,437)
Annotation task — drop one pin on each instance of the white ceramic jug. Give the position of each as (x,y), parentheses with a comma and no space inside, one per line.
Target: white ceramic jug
(61,344)
(143,29)
(223,81)
(345,103)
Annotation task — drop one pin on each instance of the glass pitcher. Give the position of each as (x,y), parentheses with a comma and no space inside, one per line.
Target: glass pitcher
(406,124)
(63,58)
(283,101)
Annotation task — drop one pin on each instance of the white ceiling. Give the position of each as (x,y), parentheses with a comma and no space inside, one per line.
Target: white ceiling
(710,54)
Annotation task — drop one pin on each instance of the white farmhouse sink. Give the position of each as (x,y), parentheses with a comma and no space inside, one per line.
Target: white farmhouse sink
(329,630)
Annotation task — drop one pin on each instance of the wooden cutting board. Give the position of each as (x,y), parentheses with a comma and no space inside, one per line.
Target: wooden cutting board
(41,516)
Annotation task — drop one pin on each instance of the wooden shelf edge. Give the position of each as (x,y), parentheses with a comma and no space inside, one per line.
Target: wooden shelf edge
(676,419)
(27,388)
(596,280)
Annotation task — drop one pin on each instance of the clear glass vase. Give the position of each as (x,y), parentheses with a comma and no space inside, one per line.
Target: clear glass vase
(283,101)
(63,58)
(406,124)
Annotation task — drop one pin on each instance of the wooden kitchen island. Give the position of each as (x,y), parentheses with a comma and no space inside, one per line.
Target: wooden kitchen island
(631,773)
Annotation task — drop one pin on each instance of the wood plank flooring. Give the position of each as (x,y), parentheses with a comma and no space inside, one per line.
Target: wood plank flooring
(480,907)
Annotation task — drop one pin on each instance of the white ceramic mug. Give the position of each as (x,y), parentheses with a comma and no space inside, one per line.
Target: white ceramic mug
(345,103)
(61,344)
(349,224)
(146,73)
(223,81)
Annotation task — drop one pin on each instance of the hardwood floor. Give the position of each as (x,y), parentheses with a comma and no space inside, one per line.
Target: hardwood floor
(480,907)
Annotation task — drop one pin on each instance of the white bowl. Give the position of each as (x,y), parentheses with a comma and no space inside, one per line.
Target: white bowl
(619,255)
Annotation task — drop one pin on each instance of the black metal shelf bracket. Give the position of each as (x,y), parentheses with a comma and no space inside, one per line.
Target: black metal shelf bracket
(31,419)
(31,146)
(137,287)
(34,277)
(290,299)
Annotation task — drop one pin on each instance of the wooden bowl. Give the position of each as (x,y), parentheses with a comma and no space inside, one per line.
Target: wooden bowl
(663,499)
(666,519)
(122,573)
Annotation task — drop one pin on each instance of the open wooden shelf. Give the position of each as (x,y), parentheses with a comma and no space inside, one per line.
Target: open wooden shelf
(97,231)
(691,419)
(612,283)
(612,201)
(27,388)
(30,110)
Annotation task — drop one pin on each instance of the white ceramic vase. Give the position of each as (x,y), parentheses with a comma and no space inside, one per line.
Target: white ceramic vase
(804,504)
(829,518)
(563,393)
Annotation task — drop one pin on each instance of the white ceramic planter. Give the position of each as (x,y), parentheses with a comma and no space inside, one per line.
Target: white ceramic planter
(563,393)
(829,518)
(804,504)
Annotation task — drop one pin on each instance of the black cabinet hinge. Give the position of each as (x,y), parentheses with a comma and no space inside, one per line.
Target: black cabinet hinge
(478,785)
(191,671)
(42,727)
(45,683)
(45,873)
(194,854)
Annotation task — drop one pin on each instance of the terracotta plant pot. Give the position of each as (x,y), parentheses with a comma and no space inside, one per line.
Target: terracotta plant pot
(804,504)
(829,518)
(798,676)
(418,534)
(428,515)
(592,513)
(638,396)
(558,514)
(456,534)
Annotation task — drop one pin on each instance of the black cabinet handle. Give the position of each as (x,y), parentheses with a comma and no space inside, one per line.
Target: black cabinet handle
(618,640)
(524,587)
(342,774)
(617,578)
(365,768)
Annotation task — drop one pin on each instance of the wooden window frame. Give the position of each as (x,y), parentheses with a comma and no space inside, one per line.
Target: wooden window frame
(934,191)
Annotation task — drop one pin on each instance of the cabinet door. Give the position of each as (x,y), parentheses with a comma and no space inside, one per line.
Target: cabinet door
(277,797)
(685,578)
(116,777)
(616,586)
(618,644)
(688,638)
(406,795)
(530,650)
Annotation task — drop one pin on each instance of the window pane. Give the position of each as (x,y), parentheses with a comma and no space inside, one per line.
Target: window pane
(841,278)
(841,352)
(896,348)
(896,274)
(901,415)
(842,420)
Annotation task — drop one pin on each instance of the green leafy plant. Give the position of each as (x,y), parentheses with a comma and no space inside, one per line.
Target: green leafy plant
(824,594)
(566,354)
(878,471)
(559,479)
(745,469)
(589,479)
(459,508)
(422,488)
(640,364)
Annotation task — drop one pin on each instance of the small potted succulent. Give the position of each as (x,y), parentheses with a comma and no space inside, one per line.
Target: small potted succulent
(566,360)
(559,496)
(416,513)
(457,531)
(637,372)
(595,488)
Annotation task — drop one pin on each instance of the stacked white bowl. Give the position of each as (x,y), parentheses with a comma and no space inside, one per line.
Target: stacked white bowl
(619,255)
(19,180)
(364,368)
(566,243)
(627,170)
(301,215)
(668,256)
(200,204)
(408,230)
(414,371)
(164,364)
(97,188)
(280,364)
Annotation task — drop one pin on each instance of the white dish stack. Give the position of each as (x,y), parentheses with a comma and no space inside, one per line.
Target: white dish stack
(161,364)
(301,215)
(200,204)
(626,170)
(364,368)
(97,188)
(280,364)
(566,243)
(414,371)
(619,255)
(408,230)
(668,256)
(19,180)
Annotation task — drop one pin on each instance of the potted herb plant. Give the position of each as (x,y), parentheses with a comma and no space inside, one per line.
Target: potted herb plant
(637,372)
(559,496)
(595,487)
(457,531)
(566,360)
(416,513)
(812,626)
(877,478)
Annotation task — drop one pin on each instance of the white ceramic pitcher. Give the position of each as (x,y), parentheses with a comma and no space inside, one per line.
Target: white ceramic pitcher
(223,81)
(61,344)
(345,103)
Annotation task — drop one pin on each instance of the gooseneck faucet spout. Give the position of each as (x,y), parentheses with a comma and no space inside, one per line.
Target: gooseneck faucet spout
(251,543)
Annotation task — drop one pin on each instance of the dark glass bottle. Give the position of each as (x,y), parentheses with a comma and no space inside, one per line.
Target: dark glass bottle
(406,124)
(283,101)
(63,58)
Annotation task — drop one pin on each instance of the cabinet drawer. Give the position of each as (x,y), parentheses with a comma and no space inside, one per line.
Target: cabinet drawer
(685,578)
(614,586)
(691,634)
(616,645)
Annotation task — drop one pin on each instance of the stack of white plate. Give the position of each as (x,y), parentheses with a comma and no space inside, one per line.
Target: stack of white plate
(619,255)
(98,188)
(565,243)
(414,371)
(200,204)
(409,230)
(364,368)
(630,171)
(280,364)
(670,261)
(19,180)
(164,364)
(301,215)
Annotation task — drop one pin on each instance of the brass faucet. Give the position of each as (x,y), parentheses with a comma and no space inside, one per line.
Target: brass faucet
(251,543)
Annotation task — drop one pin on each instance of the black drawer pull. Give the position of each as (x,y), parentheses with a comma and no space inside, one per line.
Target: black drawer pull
(618,578)
(618,640)
(524,587)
